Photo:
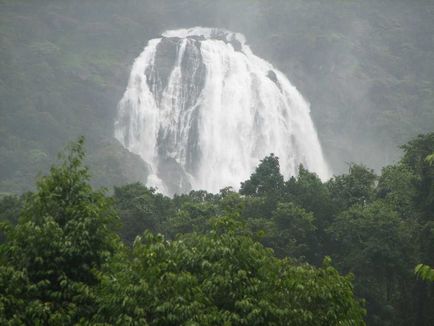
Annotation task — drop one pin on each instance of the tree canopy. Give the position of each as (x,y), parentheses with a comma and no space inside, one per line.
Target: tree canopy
(257,256)
(63,262)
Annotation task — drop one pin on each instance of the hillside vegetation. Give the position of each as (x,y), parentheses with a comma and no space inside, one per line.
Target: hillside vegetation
(231,258)
(365,66)
(63,264)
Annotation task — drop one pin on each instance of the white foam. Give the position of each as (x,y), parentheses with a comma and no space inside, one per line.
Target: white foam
(243,114)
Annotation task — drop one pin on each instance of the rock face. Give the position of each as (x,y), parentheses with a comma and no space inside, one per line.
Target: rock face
(201,109)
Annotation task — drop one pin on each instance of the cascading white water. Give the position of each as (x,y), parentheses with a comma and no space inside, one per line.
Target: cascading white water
(202,110)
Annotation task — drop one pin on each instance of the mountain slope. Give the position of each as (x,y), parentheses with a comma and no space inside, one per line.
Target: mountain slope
(366,67)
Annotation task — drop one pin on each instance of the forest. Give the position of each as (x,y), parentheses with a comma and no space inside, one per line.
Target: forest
(277,252)
(85,239)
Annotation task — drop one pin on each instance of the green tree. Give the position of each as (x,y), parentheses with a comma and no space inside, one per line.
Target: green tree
(140,209)
(10,207)
(416,156)
(397,186)
(192,213)
(266,186)
(308,192)
(377,246)
(356,187)
(266,180)
(222,277)
(63,237)
(294,230)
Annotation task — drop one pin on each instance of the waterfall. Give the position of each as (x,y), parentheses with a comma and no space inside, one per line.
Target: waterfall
(202,110)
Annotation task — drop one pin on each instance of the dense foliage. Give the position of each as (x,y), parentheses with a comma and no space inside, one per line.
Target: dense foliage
(243,257)
(233,257)
(50,258)
(62,262)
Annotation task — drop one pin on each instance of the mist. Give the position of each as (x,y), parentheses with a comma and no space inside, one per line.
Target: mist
(264,162)
(365,67)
